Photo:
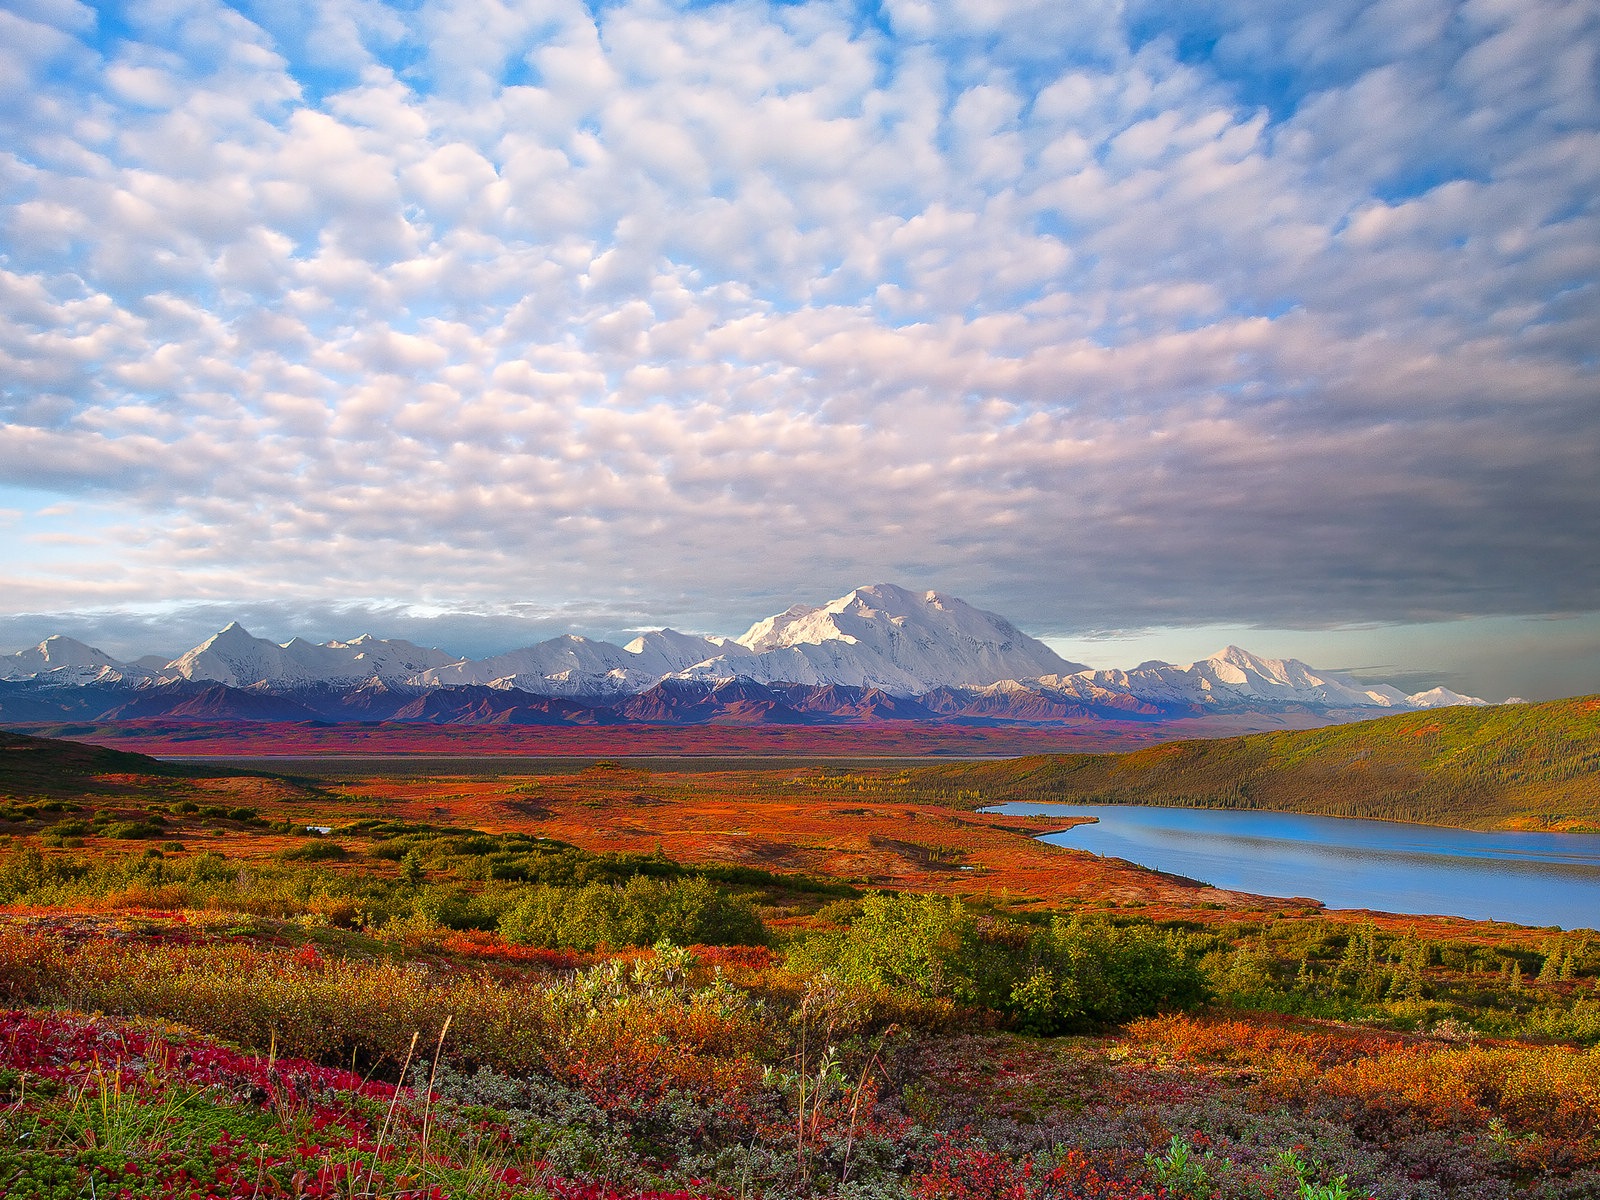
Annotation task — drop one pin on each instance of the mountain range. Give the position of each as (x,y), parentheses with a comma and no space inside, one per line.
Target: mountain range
(880,652)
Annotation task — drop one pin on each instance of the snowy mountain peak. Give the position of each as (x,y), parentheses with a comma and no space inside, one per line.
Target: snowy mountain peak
(1238,656)
(834,621)
(674,651)
(234,657)
(1238,666)
(231,656)
(62,651)
(1234,679)
(891,638)
(1443,697)
(773,632)
(65,660)
(880,636)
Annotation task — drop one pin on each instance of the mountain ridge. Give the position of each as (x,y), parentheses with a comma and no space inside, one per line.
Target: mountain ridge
(919,655)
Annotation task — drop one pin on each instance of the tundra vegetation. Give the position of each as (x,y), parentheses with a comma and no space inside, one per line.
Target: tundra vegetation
(206,995)
(1511,766)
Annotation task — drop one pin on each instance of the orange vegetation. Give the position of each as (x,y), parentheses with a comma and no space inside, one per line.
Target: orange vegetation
(804,820)
(1551,1091)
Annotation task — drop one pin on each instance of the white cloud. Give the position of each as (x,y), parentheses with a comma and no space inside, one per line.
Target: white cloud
(490,302)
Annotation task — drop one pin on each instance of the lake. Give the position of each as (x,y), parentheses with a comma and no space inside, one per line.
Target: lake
(1528,878)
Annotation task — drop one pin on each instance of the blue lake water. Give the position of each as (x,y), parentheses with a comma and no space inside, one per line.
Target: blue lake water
(1529,878)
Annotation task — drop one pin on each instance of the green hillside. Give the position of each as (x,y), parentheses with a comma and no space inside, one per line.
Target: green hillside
(1529,766)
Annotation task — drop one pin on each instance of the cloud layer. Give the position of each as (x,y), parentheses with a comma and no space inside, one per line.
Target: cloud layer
(1098,314)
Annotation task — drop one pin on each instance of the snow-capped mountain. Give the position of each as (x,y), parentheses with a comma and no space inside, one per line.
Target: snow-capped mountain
(885,637)
(1235,680)
(67,661)
(868,652)
(1443,697)
(578,666)
(236,658)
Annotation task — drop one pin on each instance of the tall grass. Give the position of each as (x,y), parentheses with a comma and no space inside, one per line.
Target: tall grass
(344,1011)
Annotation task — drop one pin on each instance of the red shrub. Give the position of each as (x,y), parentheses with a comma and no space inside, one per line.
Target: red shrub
(966,1172)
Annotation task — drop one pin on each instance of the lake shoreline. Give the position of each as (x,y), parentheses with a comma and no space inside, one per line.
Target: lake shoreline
(1532,878)
(1585,831)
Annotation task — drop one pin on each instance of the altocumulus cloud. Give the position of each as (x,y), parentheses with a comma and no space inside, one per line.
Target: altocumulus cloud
(1100,314)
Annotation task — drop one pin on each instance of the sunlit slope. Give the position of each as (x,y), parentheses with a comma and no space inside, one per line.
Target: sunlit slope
(1534,766)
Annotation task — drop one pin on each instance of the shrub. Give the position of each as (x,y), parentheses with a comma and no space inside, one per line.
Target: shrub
(1090,973)
(641,912)
(1553,1091)
(929,945)
(411,871)
(1073,973)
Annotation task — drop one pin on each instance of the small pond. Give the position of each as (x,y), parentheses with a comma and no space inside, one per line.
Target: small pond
(1529,878)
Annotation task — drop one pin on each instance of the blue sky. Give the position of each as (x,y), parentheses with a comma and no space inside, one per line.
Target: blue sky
(1137,323)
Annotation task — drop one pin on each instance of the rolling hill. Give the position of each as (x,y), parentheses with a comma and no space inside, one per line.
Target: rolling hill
(1517,766)
(39,769)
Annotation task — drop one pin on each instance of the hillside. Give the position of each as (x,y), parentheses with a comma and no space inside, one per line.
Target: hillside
(49,764)
(34,769)
(1520,766)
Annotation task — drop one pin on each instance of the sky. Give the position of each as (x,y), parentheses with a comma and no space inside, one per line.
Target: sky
(1149,326)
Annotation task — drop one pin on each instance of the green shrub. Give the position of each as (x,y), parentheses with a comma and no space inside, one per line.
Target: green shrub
(641,912)
(1069,975)
(411,870)
(27,873)
(930,945)
(1085,973)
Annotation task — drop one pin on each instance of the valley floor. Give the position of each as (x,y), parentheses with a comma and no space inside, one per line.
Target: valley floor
(884,739)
